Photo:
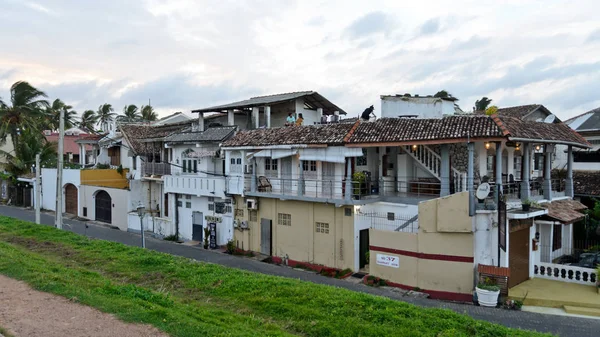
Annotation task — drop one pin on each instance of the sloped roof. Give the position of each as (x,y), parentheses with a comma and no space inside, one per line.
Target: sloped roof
(136,134)
(586,183)
(213,134)
(90,138)
(70,144)
(592,123)
(398,130)
(329,134)
(519,111)
(538,131)
(566,211)
(311,97)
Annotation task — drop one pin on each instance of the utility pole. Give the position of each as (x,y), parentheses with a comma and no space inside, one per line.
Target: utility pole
(61,139)
(38,189)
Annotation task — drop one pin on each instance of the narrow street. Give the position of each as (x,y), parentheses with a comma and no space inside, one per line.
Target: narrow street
(559,325)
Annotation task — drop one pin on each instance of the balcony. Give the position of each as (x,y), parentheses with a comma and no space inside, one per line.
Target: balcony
(156,169)
(194,185)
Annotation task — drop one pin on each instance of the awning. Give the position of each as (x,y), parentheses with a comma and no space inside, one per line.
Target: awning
(566,211)
(336,154)
(274,154)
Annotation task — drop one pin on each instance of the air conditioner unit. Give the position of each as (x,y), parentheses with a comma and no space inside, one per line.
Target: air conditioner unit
(235,223)
(251,204)
(244,225)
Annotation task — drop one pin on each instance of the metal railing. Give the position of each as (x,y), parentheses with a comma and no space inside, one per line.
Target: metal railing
(152,168)
(407,223)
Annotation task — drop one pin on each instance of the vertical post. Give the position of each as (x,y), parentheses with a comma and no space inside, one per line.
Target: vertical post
(380,173)
(569,182)
(38,189)
(470,168)
(548,172)
(268,116)
(320,114)
(525,192)
(201,121)
(498,170)
(255,117)
(253,181)
(81,155)
(300,179)
(230,118)
(142,230)
(445,174)
(348,189)
(59,192)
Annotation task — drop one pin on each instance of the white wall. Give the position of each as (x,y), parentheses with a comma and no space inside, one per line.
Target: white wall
(394,107)
(200,204)
(120,203)
(49,178)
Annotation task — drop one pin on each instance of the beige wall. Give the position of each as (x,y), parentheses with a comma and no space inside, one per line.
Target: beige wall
(300,241)
(425,259)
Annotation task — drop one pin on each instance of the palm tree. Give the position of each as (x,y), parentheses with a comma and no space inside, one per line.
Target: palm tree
(30,144)
(148,113)
(25,111)
(130,114)
(53,112)
(482,104)
(105,115)
(88,122)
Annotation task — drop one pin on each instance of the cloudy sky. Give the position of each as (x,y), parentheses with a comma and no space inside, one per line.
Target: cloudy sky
(186,54)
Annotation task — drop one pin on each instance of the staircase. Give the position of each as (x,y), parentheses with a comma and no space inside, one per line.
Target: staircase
(432,162)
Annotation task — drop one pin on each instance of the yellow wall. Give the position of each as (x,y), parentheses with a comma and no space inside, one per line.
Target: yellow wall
(105,178)
(445,229)
(300,241)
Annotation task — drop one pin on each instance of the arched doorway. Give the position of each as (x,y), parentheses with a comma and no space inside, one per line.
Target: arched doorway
(71,199)
(103,207)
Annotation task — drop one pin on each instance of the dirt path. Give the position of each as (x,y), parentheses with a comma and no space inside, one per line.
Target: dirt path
(27,312)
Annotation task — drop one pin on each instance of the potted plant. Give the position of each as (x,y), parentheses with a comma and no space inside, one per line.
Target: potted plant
(359,186)
(526,204)
(488,292)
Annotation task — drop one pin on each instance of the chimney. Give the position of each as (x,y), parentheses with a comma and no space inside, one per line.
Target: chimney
(230,118)
(200,121)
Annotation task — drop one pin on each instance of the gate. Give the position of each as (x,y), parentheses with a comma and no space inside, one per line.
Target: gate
(328,177)
(71,199)
(363,247)
(197,230)
(265,236)
(286,175)
(103,207)
(518,257)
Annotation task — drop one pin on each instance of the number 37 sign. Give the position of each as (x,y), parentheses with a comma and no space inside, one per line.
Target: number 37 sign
(388,261)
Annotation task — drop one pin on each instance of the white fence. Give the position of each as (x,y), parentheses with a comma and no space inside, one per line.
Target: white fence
(160,226)
(565,273)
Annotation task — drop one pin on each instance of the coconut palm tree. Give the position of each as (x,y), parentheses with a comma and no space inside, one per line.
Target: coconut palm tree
(23,112)
(88,121)
(105,115)
(53,112)
(148,113)
(130,114)
(31,143)
(482,104)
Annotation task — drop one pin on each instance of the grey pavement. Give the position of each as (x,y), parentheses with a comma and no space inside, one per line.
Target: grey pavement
(558,325)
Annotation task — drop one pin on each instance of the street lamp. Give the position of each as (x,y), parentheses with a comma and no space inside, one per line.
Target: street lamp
(141,210)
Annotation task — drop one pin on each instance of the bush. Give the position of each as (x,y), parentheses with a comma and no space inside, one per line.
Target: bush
(374,281)
(171,237)
(488,284)
(102,166)
(230,247)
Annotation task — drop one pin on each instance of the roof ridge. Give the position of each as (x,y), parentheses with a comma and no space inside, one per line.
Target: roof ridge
(500,124)
(285,93)
(351,131)
(593,111)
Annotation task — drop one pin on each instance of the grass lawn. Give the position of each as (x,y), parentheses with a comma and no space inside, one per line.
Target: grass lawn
(187,298)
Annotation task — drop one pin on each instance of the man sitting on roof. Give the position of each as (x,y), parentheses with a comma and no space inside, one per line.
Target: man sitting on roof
(290,120)
(367,113)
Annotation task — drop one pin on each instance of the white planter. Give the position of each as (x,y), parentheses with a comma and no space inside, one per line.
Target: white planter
(487,298)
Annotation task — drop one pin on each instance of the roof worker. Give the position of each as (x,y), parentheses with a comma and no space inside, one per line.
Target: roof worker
(300,120)
(290,120)
(366,115)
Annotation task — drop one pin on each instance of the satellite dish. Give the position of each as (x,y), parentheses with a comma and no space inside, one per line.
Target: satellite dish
(550,119)
(483,191)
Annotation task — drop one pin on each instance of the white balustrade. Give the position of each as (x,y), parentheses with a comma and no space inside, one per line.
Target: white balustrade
(566,273)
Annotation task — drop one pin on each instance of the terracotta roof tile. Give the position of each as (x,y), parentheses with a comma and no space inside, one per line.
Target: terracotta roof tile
(566,211)
(559,132)
(586,183)
(137,133)
(329,134)
(388,130)
(519,111)
(70,143)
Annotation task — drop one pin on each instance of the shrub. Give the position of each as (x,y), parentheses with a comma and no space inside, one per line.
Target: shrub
(171,237)
(102,166)
(488,284)
(230,247)
(375,281)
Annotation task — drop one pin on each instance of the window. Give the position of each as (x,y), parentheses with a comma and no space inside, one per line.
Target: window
(362,161)
(188,204)
(322,227)
(179,203)
(391,216)
(236,165)
(211,207)
(253,215)
(557,237)
(284,219)
(348,211)
(271,165)
(538,161)
(517,164)
(228,209)
(219,207)
(134,163)
(309,166)
(188,197)
(491,167)
(239,213)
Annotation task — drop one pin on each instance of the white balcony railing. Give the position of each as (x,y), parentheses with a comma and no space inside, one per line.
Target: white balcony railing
(159,169)
(200,186)
(566,273)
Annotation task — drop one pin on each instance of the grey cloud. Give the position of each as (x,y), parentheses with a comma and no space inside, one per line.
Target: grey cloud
(369,24)
(594,36)
(430,26)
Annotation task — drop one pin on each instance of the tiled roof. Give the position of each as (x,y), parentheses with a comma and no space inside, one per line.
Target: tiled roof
(91,138)
(558,132)
(518,111)
(397,130)
(586,183)
(312,97)
(137,133)
(330,134)
(69,145)
(592,123)
(214,134)
(566,211)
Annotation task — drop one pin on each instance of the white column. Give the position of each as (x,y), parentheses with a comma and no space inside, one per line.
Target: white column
(230,118)
(569,181)
(511,160)
(255,117)
(319,114)
(81,154)
(268,116)
(201,121)
(445,173)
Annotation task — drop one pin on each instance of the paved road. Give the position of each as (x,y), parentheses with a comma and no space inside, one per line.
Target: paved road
(559,325)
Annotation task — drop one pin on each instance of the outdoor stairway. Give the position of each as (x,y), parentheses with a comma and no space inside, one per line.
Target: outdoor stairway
(432,162)
(582,311)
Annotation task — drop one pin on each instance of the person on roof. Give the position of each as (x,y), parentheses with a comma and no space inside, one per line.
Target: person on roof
(368,113)
(290,120)
(300,120)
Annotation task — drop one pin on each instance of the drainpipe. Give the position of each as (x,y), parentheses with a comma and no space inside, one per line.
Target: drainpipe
(470,147)
(176,217)
(569,182)
(498,173)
